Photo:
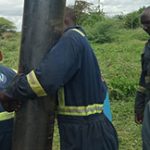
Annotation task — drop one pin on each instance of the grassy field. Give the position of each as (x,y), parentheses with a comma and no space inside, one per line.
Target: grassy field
(123,119)
(120,65)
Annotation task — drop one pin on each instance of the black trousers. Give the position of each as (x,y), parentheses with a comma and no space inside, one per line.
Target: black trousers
(146,128)
(6,141)
(6,129)
(94,132)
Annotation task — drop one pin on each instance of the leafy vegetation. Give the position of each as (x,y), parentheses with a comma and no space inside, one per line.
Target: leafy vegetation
(6,25)
(120,62)
(118,47)
(132,20)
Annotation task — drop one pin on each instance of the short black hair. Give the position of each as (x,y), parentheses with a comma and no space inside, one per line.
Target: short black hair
(70,12)
(145,16)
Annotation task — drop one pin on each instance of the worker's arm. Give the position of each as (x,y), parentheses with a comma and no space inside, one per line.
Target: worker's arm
(147,77)
(146,66)
(59,66)
(140,104)
(141,94)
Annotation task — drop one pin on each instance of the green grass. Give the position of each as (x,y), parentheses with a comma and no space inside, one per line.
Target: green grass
(10,48)
(120,62)
(129,133)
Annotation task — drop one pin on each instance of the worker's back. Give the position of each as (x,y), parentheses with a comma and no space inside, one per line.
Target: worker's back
(81,99)
(85,88)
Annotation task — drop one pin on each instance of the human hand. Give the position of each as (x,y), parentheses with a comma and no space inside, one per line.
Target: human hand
(139,107)
(8,103)
(138,118)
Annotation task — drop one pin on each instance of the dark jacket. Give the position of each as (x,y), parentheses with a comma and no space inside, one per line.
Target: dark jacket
(143,92)
(71,69)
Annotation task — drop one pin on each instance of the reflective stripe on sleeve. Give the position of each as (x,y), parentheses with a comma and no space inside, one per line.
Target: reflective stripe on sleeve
(6,115)
(80,110)
(147,79)
(35,85)
(141,89)
(79,32)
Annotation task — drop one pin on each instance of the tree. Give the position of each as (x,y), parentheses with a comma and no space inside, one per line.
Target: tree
(6,26)
(86,11)
(132,20)
(81,7)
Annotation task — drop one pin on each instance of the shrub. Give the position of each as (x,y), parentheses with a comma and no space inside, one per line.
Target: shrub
(132,20)
(6,25)
(103,31)
(89,19)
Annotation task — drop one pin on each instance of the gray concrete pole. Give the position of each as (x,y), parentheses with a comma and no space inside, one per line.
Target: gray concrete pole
(42,27)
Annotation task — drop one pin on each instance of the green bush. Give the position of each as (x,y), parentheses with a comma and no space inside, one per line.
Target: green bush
(132,20)
(122,87)
(103,31)
(89,19)
(6,25)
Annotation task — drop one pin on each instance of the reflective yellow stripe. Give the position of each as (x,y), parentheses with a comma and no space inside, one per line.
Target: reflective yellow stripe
(147,79)
(56,138)
(79,32)
(6,115)
(15,70)
(141,89)
(61,97)
(76,110)
(80,110)
(35,85)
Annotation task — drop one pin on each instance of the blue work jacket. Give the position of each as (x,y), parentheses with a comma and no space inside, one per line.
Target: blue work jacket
(70,69)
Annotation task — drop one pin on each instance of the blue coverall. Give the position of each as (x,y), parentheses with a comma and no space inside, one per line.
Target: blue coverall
(71,70)
(6,118)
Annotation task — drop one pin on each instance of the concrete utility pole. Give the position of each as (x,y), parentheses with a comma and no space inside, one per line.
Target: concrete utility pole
(42,27)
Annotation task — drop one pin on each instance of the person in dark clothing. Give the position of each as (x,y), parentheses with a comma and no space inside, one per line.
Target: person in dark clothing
(71,70)
(6,118)
(142,103)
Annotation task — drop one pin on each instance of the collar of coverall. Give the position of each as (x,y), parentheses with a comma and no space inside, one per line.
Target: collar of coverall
(75,27)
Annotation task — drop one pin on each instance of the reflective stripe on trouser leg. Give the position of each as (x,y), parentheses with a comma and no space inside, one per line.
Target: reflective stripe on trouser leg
(56,137)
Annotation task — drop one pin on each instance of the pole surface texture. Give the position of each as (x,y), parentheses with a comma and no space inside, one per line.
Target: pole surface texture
(42,27)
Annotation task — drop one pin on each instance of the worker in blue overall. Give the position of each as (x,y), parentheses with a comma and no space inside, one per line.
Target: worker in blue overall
(6,118)
(71,70)
(142,100)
